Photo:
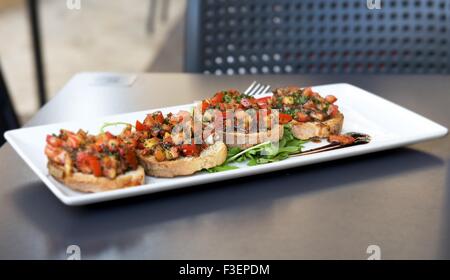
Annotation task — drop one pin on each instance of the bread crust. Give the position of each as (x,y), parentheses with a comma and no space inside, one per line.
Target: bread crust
(214,155)
(308,130)
(251,139)
(90,184)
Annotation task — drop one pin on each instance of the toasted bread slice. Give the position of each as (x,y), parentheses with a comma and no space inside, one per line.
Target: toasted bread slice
(214,155)
(89,183)
(247,140)
(308,130)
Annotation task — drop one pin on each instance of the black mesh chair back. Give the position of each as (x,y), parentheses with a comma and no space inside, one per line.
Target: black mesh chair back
(318,36)
(8,117)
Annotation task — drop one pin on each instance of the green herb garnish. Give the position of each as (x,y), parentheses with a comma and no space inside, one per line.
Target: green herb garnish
(270,152)
(263,153)
(220,168)
(302,99)
(105,125)
(227,98)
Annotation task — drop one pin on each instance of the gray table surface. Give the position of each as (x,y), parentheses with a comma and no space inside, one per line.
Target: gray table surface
(398,199)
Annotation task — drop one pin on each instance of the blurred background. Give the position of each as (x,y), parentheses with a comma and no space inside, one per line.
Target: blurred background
(217,37)
(119,35)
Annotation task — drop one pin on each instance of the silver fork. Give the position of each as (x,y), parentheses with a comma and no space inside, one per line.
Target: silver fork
(256,89)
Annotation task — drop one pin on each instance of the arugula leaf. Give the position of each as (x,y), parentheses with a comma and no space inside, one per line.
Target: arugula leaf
(295,142)
(263,153)
(269,152)
(220,168)
(246,150)
(233,151)
(288,149)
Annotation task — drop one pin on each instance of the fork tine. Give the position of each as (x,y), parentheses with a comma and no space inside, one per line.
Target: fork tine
(249,89)
(255,89)
(260,90)
(263,90)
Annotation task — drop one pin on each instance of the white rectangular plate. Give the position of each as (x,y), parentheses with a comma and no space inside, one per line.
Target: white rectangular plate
(388,124)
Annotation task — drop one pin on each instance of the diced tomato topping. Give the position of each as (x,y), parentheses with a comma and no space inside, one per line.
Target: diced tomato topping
(131,143)
(87,162)
(245,102)
(264,99)
(95,166)
(330,99)
(333,110)
(55,154)
(54,141)
(158,117)
(108,135)
(159,155)
(285,118)
(205,106)
(140,126)
(190,150)
(218,98)
(149,121)
(175,119)
(263,102)
(103,140)
(309,105)
(130,158)
(302,117)
(263,105)
(73,141)
(308,92)
(154,118)
(113,144)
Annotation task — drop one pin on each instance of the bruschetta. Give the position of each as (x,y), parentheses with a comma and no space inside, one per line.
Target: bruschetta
(90,163)
(239,120)
(211,156)
(164,152)
(177,145)
(310,115)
